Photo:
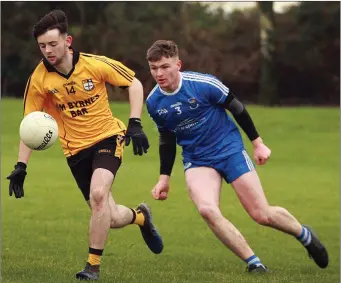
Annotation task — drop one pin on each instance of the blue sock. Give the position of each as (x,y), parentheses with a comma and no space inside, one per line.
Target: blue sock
(305,237)
(253,260)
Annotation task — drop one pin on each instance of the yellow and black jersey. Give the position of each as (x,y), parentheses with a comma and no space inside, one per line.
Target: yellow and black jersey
(78,101)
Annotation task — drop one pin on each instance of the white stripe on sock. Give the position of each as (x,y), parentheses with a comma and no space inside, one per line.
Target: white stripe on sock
(254,261)
(308,240)
(306,234)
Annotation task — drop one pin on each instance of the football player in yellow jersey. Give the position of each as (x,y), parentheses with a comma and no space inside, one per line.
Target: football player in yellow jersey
(70,86)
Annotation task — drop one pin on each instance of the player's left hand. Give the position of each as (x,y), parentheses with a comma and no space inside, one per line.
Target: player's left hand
(261,153)
(138,137)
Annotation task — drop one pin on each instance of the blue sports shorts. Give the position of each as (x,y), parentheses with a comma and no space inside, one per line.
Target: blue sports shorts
(230,168)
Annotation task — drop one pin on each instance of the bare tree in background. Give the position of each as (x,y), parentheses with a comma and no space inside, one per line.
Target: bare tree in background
(268,94)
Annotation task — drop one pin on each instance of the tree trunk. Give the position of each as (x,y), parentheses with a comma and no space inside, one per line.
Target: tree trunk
(268,94)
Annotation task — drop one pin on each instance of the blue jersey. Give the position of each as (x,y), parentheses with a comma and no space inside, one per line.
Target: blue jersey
(194,113)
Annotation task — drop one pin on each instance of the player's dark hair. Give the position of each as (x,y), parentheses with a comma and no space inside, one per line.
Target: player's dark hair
(56,19)
(162,48)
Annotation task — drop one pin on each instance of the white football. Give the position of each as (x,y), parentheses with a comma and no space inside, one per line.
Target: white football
(38,130)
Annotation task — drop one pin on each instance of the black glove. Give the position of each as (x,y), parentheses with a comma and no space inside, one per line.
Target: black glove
(17,178)
(134,132)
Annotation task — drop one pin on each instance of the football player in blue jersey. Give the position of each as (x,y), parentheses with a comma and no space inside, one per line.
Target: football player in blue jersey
(190,109)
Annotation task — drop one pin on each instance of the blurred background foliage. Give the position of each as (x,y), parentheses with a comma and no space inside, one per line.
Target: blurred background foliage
(306,40)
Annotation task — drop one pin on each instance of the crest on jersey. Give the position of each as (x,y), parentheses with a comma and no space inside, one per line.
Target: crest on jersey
(88,84)
(193,103)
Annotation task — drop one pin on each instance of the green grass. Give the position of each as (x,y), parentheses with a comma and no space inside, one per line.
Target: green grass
(44,235)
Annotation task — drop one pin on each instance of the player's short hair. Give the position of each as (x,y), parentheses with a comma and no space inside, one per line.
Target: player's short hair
(56,19)
(162,48)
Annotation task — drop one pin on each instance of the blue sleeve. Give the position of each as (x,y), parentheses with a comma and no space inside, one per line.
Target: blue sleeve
(217,91)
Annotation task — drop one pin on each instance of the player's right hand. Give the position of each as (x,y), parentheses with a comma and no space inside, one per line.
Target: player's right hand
(138,137)
(160,191)
(17,178)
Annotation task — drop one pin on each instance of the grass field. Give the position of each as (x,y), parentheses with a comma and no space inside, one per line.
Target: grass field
(44,235)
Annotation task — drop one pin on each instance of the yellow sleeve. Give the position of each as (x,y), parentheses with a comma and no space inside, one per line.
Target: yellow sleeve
(34,98)
(114,72)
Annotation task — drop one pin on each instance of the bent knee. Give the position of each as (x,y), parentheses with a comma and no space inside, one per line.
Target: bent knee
(262,216)
(209,212)
(98,195)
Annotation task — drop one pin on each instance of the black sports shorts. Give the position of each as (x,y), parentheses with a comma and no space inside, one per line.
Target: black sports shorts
(105,154)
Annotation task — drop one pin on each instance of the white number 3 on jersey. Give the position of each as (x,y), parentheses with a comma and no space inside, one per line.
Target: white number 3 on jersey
(178,110)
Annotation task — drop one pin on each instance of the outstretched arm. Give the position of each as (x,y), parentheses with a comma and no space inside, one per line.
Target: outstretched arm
(17,176)
(24,153)
(33,101)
